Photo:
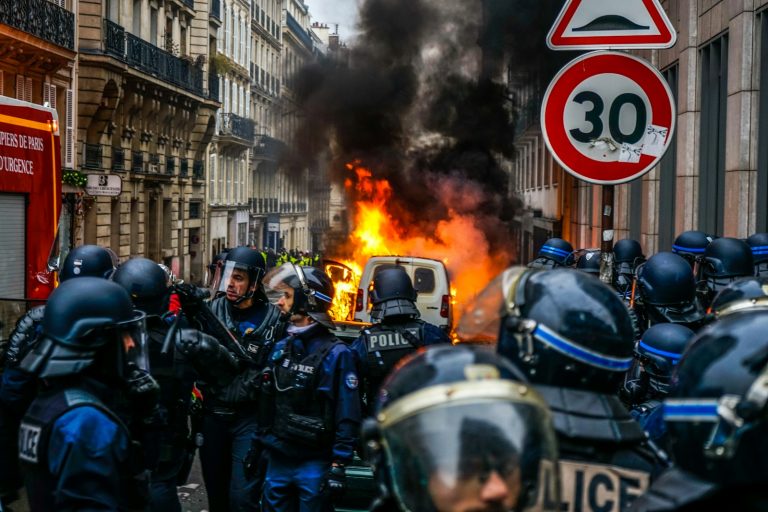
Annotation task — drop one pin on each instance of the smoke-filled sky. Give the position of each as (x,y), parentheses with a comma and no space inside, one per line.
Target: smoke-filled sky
(422,103)
(331,12)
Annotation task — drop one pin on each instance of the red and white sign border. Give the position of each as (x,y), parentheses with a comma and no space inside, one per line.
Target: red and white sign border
(560,89)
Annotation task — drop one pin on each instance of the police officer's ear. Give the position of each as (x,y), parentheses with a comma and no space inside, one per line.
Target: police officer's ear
(370,435)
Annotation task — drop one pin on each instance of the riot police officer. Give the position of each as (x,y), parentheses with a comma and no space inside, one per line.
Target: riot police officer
(690,245)
(589,262)
(740,295)
(725,260)
(231,412)
(169,445)
(758,242)
(716,422)
(75,447)
(314,391)
(398,331)
(18,387)
(555,252)
(627,255)
(572,336)
(667,292)
(647,382)
(457,429)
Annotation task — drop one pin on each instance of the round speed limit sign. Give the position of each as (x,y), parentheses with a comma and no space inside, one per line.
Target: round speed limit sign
(608,117)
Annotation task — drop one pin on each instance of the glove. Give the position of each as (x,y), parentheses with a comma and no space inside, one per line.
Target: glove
(143,390)
(336,482)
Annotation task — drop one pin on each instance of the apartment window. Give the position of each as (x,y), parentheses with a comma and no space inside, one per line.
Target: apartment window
(194,210)
(668,177)
(714,78)
(762,128)
(153,26)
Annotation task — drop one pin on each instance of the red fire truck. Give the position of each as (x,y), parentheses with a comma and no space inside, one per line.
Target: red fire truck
(30,204)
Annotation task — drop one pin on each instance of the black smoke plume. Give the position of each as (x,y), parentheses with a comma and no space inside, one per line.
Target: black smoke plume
(423,98)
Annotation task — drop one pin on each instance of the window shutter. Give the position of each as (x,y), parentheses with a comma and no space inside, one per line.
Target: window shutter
(69,133)
(52,95)
(27,89)
(2,89)
(20,87)
(46,95)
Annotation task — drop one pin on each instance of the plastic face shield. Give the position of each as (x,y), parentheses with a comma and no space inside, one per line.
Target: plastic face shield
(445,452)
(281,283)
(481,319)
(235,280)
(133,335)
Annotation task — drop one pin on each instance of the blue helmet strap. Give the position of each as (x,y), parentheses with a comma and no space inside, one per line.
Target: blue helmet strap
(579,352)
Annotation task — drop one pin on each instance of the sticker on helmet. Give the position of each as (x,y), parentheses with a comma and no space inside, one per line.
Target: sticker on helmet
(351,381)
(481,372)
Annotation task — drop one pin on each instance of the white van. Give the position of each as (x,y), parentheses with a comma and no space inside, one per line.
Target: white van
(429,277)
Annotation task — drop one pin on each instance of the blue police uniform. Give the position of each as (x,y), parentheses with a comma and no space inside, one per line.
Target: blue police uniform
(381,346)
(316,421)
(76,453)
(231,418)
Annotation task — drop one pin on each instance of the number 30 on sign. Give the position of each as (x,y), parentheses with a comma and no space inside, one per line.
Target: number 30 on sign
(608,117)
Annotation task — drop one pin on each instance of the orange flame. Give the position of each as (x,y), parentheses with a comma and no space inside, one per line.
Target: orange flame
(458,241)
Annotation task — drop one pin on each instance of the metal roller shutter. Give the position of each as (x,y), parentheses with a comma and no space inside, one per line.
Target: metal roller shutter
(12,244)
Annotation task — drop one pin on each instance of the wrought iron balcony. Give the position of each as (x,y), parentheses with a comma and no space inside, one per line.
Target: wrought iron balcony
(299,31)
(216,9)
(93,154)
(151,60)
(236,126)
(198,170)
(40,18)
(268,147)
(118,159)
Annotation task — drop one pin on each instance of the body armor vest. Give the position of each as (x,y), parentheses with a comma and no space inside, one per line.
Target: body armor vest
(302,415)
(386,344)
(34,436)
(259,342)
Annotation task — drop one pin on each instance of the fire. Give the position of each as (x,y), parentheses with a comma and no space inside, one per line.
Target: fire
(458,241)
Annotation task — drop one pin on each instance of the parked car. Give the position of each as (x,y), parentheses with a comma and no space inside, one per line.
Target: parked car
(429,277)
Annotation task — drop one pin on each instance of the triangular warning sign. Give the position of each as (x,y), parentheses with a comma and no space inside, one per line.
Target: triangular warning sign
(616,24)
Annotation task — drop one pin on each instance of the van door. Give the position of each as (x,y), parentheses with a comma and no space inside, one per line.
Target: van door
(432,284)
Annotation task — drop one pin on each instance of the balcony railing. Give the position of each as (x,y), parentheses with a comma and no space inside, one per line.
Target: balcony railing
(198,171)
(40,18)
(232,124)
(93,154)
(268,147)
(118,159)
(150,59)
(216,9)
(295,27)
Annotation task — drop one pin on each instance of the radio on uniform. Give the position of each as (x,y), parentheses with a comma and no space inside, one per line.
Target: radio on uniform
(599,487)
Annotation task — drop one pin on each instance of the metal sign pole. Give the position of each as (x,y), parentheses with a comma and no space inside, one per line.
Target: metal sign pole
(606,245)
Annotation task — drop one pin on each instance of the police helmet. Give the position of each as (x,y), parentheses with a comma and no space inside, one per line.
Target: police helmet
(241,264)
(589,262)
(313,291)
(88,260)
(147,284)
(82,316)
(742,294)
(451,422)
(628,251)
(656,356)
(561,328)
(725,260)
(555,252)
(393,294)
(668,290)
(716,409)
(691,245)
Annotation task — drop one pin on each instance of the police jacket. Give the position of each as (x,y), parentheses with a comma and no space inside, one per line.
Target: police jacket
(603,452)
(259,327)
(679,491)
(314,389)
(19,387)
(76,452)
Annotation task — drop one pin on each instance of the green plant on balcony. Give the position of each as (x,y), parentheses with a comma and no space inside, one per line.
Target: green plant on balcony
(74,178)
(169,45)
(221,64)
